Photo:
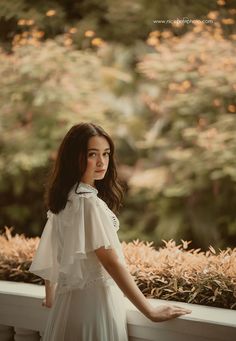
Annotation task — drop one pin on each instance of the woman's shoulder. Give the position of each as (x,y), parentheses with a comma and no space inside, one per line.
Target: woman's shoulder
(82,194)
(83,202)
(82,190)
(86,197)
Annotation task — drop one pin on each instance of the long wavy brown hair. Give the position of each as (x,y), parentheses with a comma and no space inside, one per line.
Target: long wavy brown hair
(70,165)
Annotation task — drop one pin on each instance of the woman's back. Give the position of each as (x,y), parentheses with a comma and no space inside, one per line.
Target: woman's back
(85,290)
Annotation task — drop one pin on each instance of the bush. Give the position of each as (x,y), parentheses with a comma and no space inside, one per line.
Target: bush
(172,272)
(175,273)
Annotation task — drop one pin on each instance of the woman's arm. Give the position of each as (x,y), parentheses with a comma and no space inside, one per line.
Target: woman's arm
(125,281)
(50,293)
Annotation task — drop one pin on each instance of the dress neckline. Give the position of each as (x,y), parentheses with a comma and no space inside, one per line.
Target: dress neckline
(87,187)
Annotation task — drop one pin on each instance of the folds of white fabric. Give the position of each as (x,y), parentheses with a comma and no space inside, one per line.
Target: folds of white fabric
(96,313)
(66,249)
(45,262)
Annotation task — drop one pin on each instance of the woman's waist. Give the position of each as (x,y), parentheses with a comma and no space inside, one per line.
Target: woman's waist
(67,284)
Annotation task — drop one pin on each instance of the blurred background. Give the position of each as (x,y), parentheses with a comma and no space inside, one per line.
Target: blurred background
(159,76)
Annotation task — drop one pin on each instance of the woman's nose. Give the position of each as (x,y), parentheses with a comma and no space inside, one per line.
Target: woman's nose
(100,160)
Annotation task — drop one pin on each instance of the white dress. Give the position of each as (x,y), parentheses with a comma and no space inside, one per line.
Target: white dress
(88,304)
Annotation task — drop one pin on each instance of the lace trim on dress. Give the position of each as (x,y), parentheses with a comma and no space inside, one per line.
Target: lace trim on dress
(63,287)
(115,220)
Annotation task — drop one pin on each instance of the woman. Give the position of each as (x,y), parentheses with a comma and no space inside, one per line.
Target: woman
(79,254)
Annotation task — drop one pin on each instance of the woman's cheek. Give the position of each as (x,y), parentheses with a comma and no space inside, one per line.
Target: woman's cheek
(90,164)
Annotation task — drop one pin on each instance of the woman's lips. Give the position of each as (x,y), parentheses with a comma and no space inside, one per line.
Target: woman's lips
(100,171)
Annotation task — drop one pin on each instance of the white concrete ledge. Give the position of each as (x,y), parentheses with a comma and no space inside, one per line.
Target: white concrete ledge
(20,307)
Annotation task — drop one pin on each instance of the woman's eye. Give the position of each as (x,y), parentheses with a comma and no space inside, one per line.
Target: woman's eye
(107,154)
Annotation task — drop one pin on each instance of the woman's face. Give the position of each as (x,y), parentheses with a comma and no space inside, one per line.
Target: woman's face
(97,159)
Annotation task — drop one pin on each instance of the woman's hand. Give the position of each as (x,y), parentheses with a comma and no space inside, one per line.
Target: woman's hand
(110,261)
(167,312)
(50,293)
(47,303)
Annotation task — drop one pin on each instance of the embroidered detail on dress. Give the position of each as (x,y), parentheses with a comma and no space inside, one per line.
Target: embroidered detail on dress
(104,280)
(95,281)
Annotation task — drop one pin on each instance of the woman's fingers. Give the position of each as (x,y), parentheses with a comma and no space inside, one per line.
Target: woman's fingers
(182,310)
(177,312)
(46,304)
(168,312)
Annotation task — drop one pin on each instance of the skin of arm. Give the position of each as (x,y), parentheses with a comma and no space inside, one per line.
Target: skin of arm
(123,278)
(49,293)
(126,283)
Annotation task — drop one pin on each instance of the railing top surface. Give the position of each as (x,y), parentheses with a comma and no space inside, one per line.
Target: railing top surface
(21,289)
(204,314)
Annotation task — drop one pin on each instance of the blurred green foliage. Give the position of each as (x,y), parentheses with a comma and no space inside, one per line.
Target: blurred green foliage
(192,137)
(166,94)
(44,91)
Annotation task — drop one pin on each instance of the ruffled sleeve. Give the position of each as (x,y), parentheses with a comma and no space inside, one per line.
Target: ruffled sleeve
(89,228)
(45,262)
(66,250)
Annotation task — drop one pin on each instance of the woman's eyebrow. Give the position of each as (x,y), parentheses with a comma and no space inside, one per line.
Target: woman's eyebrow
(97,149)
